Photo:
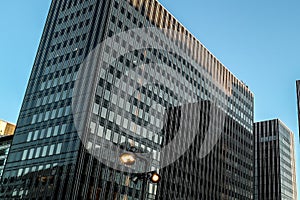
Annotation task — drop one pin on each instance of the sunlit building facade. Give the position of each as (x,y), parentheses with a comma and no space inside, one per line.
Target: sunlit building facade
(151,75)
(275,175)
(6,128)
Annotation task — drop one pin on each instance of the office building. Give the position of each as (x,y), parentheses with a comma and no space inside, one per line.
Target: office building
(6,128)
(113,72)
(6,135)
(5,143)
(224,173)
(275,175)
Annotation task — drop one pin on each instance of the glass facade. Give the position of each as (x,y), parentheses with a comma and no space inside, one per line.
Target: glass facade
(5,143)
(275,175)
(155,81)
(225,173)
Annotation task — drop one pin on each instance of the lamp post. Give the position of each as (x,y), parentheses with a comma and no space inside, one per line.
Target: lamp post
(129,158)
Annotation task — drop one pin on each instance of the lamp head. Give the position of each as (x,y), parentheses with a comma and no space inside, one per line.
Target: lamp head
(128,158)
(155,177)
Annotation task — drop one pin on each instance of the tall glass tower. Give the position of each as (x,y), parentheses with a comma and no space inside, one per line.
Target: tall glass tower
(275,175)
(124,77)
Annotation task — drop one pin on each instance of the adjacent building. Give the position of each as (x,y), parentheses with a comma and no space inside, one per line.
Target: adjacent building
(6,128)
(6,135)
(275,175)
(5,143)
(138,76)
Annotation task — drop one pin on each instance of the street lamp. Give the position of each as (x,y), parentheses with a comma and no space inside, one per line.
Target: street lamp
(129,158)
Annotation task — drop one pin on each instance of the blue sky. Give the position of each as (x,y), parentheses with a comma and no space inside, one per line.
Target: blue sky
(257,40)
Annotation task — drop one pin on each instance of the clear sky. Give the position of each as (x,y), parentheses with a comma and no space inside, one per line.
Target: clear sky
(259,41)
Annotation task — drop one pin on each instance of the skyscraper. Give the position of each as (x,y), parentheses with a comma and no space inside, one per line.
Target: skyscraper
(224,173)
(115,73)
(275,175)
